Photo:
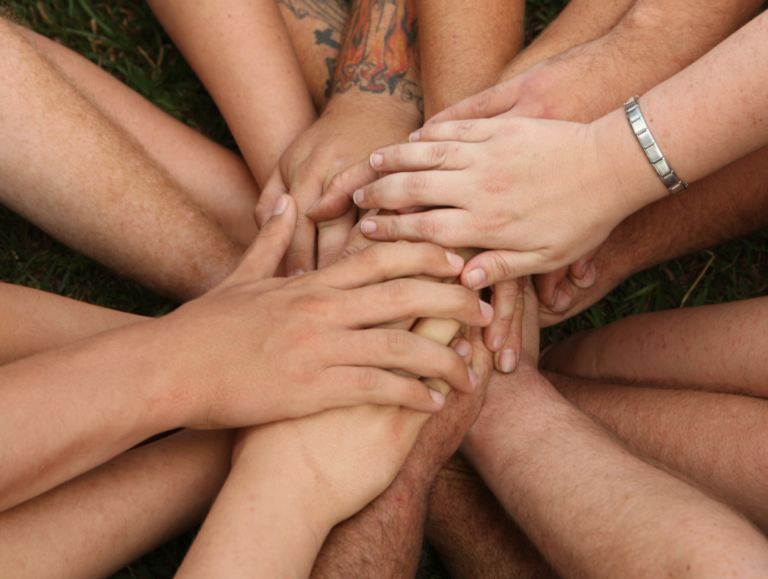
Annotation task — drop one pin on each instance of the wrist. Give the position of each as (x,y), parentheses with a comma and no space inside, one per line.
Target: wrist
(624,163)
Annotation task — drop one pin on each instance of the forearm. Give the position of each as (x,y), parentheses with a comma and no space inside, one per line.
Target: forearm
(620,352)
(726,457)
(588,503)
(268,521)
(378,57)
(90,401)
(243,54)
(35,321)
(719,87)
(103,520)
(580,21)
(316,27)
(464,45)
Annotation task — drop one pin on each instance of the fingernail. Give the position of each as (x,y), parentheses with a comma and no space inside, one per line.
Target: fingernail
(486,308)
(498,342)
(438,397)
(455,260)
(358,197)
(368,226)
(280,205)
(588,279)
(584,269)
(476,278)
(415,136)
(472,377)
(296,272)
(507,360)
(377,160)
(315,204)
(562,301)
(462,348)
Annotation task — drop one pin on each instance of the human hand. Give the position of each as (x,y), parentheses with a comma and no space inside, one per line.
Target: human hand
(579,85)
(257,349)
(525,175)
(352,126)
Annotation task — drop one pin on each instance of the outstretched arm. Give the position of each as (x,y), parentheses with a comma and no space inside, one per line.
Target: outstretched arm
(590,504)
(243,54)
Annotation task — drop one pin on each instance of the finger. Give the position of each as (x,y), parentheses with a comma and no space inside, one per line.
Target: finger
(384,261)
(422,357)
(300,257)
(489,103)
(546,285)
(504,301)
(264,255)
(419,157)
(463,348)
(475,131)
(507,359)
(491,267)
(482,358)
(583,273)
(337,197)
(400,190)
(563,296)
(446,227)
(272,190)
(332,235)
(350,386)
(403,299)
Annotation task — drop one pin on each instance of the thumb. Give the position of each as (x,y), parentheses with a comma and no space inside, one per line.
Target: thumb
(489,103)
(272,190)
(491,267)
(262,258)
(337,197)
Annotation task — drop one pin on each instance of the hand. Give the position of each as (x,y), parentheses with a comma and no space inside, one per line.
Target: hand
(525,175)
(351,127)
(342,473)
(258,349)
(578,85)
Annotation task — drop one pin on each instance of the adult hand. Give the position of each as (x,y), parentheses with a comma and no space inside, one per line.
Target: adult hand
(258,349)
(525,175)
(351,127)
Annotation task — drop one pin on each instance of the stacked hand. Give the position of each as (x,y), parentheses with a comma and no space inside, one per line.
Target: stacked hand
(258,349)
(348,131)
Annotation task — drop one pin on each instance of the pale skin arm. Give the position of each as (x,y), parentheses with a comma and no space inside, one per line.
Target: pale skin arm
(620,179)
(243,54)
(588,503)
(127,384)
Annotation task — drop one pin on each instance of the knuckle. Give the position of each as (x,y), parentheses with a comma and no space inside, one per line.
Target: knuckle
(437,154)
(502,268)
(463,128)
(368,379)
(416,186)
(398,290)
(427,227)
(308,303)
(397,342)
(483,100)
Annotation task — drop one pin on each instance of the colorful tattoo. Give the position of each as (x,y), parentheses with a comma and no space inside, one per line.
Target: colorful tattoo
(379,55)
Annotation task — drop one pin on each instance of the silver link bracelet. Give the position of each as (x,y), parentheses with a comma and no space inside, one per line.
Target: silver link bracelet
(651,149)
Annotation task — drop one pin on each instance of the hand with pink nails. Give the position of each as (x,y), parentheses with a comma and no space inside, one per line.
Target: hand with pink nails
(539,194)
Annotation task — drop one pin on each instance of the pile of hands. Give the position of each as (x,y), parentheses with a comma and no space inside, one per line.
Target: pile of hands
(468,178)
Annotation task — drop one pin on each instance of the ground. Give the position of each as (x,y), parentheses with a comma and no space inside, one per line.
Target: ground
(124,38)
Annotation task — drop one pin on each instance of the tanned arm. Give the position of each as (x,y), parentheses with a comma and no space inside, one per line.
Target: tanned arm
(464,45)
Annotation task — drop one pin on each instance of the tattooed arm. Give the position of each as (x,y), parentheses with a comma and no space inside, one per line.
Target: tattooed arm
(316,27)
(374,101)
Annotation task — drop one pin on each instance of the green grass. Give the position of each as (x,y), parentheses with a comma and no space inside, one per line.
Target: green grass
(124,38)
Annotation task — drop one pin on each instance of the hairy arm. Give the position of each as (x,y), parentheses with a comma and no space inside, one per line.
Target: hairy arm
(464,45)
(243,54)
